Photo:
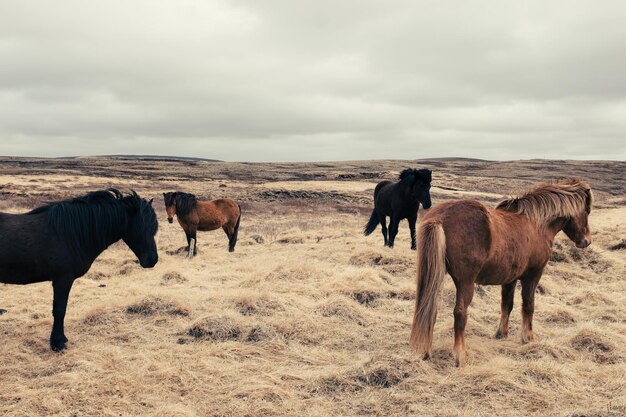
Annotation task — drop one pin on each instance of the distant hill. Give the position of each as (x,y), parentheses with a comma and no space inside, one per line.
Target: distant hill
(153,158)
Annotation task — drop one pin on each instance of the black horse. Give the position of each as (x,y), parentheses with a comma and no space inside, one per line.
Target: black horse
(400,200)
(58,242)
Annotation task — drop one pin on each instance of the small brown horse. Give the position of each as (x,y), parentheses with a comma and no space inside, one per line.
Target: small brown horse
(478,245)
(203,215)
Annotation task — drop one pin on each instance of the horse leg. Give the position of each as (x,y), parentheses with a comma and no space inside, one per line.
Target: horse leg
(464,295)
(393,230)
(383,226)
(193,251)
(412,220)
(529,285)
(508,294)
(188,240)
(61,288)
(230,232)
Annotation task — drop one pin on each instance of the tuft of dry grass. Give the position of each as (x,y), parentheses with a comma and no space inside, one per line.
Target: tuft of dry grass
(153,305)
(215,328)
(173,277)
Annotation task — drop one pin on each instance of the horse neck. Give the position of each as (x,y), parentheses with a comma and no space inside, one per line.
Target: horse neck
(104,235)
(406,189)
(553,227)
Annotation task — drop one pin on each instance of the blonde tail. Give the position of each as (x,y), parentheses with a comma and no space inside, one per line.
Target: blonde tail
(431,268)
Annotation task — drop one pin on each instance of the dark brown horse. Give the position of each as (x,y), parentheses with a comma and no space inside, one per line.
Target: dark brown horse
(478,245)
(58,242)
(203,215)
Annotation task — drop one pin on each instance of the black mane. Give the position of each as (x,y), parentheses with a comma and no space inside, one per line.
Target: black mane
(96,219)
(185,202)
(425,175)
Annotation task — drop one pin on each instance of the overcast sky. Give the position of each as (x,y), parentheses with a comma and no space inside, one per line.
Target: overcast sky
(270,80)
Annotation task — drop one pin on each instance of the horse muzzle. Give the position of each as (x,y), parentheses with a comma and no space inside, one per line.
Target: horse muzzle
(584,243)
(170,220)
(148,261)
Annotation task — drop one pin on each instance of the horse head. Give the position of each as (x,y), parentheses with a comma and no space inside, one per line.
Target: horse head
(418,181)
(142,227)
(577,227)
(170,205)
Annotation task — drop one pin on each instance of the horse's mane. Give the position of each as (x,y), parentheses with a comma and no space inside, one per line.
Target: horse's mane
(185,203)
(94,220)
(563,198)
(424,174)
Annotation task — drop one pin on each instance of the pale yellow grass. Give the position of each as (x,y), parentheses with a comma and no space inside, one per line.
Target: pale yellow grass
(308,317)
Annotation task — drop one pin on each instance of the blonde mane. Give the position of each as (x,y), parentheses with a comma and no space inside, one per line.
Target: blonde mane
(562,198)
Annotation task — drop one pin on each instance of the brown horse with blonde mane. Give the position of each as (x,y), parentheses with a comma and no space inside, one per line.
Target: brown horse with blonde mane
(480,245)
(203,215)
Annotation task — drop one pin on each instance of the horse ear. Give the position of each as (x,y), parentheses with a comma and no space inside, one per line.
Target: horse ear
(164,194)
(150,202)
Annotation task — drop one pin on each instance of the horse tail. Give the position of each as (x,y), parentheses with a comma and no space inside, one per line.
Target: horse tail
(431,268)
(373,221)
(371,224)
(233,239)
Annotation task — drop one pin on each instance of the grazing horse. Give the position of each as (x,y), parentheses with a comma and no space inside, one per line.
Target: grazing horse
(58,242)
(479,245)
(400,200)
(203,215)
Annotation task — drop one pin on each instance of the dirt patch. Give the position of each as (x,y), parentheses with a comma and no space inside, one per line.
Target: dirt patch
(282,195)
(618,246)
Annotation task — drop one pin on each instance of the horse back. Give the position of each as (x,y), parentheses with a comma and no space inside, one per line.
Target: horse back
(213,214)
(490,246)
(387,199)
(518,246)
(29,251)
(380,186)
(466,225)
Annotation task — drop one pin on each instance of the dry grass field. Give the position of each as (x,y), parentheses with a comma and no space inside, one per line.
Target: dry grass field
(308,317)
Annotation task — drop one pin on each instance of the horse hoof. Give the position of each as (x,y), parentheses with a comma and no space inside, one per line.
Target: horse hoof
(501,335)
(3,311)
(460,358)
(57,346)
